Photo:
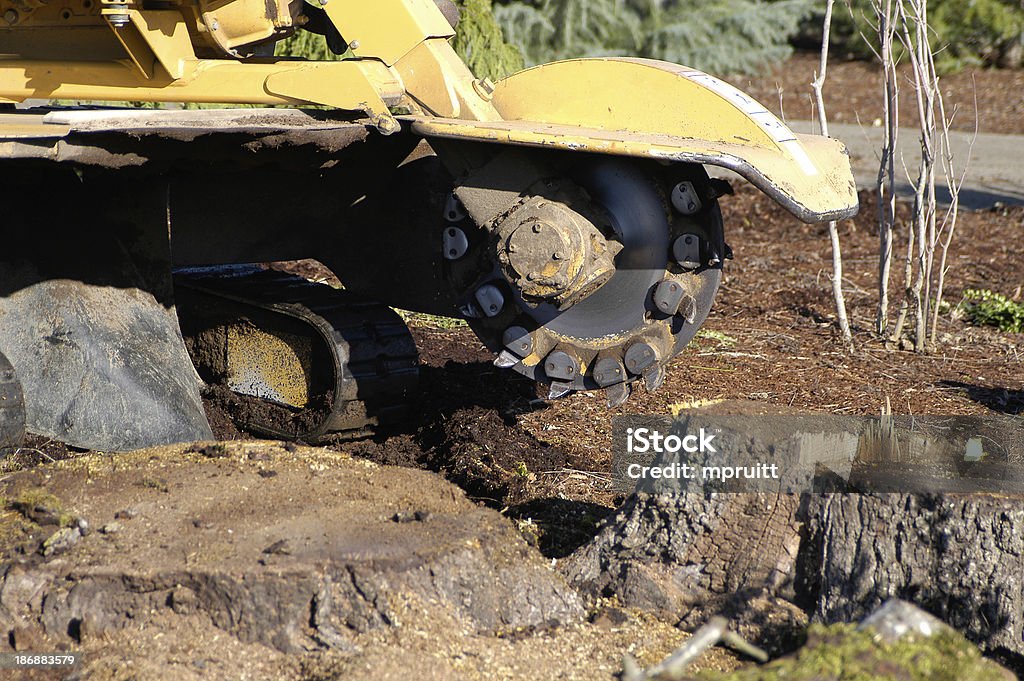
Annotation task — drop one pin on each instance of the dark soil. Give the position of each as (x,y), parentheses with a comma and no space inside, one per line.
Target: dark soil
(853,94)
(469,431)
(232,415)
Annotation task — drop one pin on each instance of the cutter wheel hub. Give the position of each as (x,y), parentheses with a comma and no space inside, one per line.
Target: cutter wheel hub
(551,253)
(594,275)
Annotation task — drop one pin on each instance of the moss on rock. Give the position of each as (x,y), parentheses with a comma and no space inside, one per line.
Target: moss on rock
(843,652)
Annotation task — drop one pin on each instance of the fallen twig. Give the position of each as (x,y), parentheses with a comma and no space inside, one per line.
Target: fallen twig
(674,666)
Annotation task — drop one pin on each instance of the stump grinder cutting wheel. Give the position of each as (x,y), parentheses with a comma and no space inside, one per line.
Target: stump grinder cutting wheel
(564,211)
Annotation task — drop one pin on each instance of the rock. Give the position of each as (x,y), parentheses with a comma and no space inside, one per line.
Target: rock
(845,651)
(127,513)
(113,527)
(61,540)
(343,558)
(279,548)
(898,619)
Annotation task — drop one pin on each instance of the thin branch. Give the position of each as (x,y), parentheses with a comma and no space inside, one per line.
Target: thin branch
(833,232)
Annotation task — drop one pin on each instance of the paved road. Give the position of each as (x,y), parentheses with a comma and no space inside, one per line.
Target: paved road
(995,172)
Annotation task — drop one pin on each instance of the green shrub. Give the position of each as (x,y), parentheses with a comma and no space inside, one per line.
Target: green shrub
(987,308)
(307,45)
(964,32)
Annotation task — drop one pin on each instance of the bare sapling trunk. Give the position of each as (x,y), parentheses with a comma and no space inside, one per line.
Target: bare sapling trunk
(914,35)
(886,182)
(908,292)
(928,238)
(833,232)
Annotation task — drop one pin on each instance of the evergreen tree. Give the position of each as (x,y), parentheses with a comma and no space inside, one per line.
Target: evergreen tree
(722,36)
(478,41)
(549,30)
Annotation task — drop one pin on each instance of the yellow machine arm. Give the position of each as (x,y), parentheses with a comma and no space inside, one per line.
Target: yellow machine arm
(401,60)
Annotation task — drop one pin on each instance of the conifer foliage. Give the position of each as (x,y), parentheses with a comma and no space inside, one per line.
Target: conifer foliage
(720,36)
(479,42)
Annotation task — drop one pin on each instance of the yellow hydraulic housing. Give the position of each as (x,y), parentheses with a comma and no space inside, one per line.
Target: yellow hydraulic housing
(402,69)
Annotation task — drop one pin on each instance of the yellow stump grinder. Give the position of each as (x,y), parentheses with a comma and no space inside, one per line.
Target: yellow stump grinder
(564,212)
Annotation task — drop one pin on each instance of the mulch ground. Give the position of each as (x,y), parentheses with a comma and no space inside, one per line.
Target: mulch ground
(853,94)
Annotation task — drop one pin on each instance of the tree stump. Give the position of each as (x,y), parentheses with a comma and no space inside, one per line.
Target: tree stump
(687,557)
(961,557)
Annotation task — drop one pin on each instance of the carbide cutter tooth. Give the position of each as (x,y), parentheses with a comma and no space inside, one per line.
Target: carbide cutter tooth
(559,389)
(505,360)
(654,377)
(617,394)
